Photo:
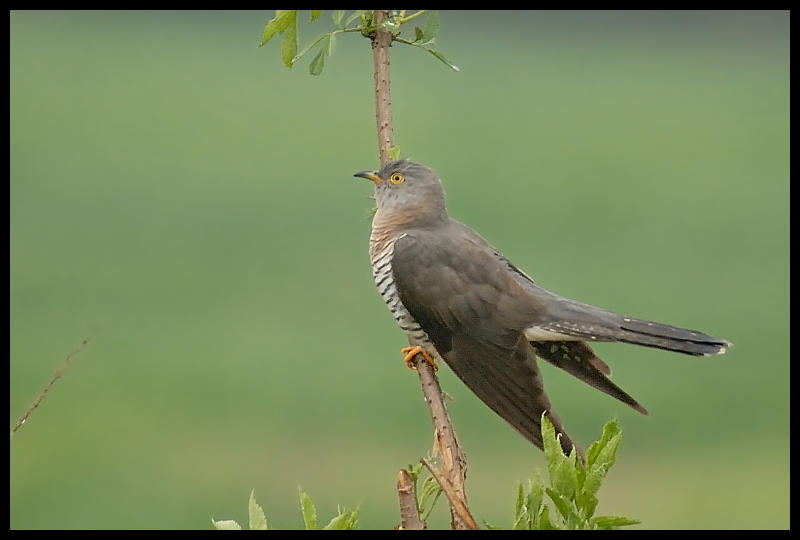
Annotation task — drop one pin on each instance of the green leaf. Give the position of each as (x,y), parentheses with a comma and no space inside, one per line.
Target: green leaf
(609,522)
(315,13)
(594,478)
(337,17)
(521,521)
(431,27)
(309,512)
(536,500)
(587,503)
(608,454)
(430,489)
(426,491)
(564,480)
(580,468)
(302,53)
(282,20)
(560,468)
(490,527)
(226,525)
(318,63)
(414,471)
(610,430)
(544,523)
(367,25)
(269,31)
(354,16)
(258,521)
(419,35)
(443,58)
(394,153)
(563,505)
(344,521)
(548,434)
(329,44)
(598,471)
(289,46)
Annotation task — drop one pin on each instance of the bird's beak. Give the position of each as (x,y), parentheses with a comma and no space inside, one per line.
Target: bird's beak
(369,175)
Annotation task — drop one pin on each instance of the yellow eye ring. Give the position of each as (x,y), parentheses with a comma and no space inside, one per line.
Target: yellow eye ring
(396,178)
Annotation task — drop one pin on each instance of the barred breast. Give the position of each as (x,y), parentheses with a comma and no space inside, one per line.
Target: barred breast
(381,253)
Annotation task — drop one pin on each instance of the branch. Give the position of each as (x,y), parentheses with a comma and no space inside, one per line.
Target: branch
(446,444)
(409,513)
(454,496)
(59,373)
(454,463)
(381,41)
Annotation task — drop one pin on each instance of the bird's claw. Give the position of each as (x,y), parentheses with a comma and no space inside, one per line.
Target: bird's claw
(411,352)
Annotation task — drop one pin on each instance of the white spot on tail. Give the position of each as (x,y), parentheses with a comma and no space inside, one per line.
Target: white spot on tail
(535,333)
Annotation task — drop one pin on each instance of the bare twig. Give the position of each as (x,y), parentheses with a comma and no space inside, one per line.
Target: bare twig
(445,443)
(409,513)
(381,41)
(59,373)
(453,460)
(454,496)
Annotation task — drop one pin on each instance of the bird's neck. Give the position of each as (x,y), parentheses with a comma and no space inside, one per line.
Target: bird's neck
(387,226)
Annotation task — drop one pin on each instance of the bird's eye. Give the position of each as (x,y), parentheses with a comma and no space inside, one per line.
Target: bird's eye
(396,178)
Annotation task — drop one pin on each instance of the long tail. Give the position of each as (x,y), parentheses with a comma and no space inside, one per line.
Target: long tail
(670,338)
(573,319)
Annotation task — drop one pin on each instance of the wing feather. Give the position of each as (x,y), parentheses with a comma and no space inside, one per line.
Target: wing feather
(475,313)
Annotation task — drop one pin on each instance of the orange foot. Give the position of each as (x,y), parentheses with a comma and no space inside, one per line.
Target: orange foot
(411,352)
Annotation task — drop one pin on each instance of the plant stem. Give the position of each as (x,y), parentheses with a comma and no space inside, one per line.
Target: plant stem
(403,20)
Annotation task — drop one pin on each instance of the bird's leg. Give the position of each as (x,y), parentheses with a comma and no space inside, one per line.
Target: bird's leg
(411,352)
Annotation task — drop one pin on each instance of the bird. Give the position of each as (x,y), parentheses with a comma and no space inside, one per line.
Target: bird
(457,298)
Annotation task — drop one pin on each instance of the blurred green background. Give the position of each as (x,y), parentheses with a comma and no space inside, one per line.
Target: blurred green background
(181,196)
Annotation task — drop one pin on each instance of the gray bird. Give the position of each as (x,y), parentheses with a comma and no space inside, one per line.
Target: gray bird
(459,299)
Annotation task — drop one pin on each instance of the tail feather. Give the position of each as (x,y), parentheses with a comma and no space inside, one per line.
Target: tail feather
(578,320)
(561,341)
(670,338)
(578,359)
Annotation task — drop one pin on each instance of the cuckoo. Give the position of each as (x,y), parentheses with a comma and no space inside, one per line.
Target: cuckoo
(459,299)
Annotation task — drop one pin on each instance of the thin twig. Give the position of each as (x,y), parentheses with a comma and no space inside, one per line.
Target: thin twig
(59,373)
(453,495)
(381,41)
(404,19)
(445,443)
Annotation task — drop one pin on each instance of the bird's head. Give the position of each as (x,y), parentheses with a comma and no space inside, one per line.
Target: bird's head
(409,187)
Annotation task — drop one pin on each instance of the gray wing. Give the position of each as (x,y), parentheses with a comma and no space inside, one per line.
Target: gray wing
(475,313)
(574,357)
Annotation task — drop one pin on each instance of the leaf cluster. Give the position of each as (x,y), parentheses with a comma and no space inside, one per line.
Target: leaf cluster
(344,520)
(573,485)
(286,22)
(572,492)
